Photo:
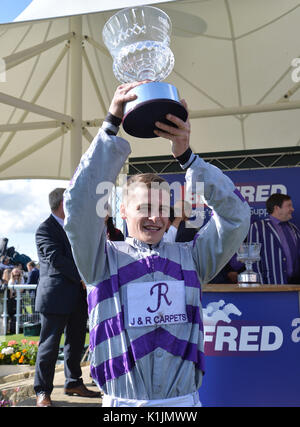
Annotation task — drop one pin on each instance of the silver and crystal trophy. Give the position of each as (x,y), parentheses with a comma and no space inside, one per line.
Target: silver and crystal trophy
(138,40)
(248,254)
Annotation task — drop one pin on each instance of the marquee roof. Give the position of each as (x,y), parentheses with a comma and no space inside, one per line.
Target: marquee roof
(233,65)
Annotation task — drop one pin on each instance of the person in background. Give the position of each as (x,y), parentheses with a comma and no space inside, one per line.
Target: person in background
(113,233)
(33,273)
(6,276)
(32,279)
(280,243)
(61,302)
(174,221)
(16,278)
(186,230)
(5,262)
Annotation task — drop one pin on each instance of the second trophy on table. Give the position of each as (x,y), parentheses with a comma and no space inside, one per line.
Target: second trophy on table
(248,254)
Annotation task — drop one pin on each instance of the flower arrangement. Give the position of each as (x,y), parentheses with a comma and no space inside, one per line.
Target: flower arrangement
(14,353)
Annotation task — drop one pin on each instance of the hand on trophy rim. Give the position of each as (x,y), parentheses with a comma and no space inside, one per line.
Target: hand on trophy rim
(179,136)
(122,96)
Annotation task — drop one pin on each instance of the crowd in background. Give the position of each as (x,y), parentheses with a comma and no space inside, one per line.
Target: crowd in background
(16,274)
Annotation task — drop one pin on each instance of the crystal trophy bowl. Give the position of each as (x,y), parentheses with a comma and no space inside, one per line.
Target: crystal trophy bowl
(249,253)
(138,40)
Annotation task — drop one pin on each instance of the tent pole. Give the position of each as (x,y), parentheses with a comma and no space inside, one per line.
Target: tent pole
(28,151)
(97,45)
(37,95)
(88,136)
(12,127)
(246,109)
(76,92)
(19,57)
(93,79)
(33,108)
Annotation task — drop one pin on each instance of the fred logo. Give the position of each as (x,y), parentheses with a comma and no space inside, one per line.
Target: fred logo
(156,303)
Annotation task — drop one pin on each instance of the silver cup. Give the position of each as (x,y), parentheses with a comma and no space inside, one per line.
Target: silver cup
(138,40)
(249,253)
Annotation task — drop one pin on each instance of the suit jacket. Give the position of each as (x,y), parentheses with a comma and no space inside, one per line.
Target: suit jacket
(33,276)
(272,267)
(59,286)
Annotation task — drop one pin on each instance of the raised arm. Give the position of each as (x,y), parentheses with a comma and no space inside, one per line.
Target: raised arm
(219,240)
(86,197)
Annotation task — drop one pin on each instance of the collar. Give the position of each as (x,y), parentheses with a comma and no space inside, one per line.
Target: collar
(277,221)
(59,220)
(142,245)
(274,220)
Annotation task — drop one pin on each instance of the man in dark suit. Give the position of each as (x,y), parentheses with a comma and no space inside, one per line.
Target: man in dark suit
(33,273)
(61,301)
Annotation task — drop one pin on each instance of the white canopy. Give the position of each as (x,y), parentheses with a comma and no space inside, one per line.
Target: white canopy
(232,58)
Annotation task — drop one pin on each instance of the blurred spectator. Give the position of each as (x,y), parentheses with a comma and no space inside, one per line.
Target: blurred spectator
(171,230)
(16,278)
(32,279)
(33,273)
(186,232)
(6,276)
(5,262)
(177,216)
(113,233)
(229,273)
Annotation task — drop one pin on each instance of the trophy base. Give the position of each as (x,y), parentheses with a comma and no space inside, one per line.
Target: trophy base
(249,285)
(248,280)
(155,100)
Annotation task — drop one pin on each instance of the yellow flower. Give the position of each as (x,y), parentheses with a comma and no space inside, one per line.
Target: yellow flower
(1,356)
(18,354)
(24,351)
(21,359)
(12,357)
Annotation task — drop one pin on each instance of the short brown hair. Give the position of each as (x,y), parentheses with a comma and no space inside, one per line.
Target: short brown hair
(31,264)
(144,178)
(276,199)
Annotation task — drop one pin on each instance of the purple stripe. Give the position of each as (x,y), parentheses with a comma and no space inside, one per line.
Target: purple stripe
(137,269)
(120,365)
(114,326)
(134,270)
(102,291)
(107,329)
(193,314)
(149,265)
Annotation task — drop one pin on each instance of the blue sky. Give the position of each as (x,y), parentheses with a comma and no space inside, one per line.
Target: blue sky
(10,9)
(23,206)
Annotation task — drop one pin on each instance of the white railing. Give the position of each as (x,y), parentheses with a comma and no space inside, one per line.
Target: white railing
(23,300)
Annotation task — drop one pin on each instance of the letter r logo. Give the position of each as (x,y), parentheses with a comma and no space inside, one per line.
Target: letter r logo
(162,290)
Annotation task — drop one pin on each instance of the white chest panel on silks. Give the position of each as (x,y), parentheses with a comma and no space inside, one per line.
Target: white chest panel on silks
(155,303)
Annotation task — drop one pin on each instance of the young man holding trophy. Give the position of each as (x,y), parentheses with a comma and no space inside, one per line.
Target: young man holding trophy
(144,294)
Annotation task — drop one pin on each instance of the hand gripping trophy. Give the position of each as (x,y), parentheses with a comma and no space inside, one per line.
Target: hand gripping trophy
(138,39)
